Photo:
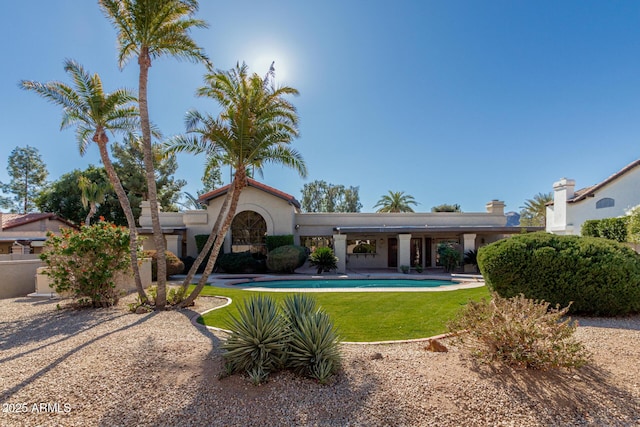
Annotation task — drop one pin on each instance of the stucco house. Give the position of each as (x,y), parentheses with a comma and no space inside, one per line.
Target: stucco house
(608,199)
(360,240)
(26,233)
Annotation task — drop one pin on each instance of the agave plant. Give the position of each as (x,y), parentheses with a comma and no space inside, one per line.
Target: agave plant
(297,306)
(258,341)
(314,347)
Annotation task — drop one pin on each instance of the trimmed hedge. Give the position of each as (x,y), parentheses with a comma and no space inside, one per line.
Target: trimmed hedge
(286,259)
(174,264)
(598,276)
(609,228)
(241,262)
(274,242)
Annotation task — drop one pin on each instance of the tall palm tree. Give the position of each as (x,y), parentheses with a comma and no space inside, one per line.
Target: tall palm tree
(92,193)
(255,127)
(396,201)
(147,30)
(94,113)
(534,211)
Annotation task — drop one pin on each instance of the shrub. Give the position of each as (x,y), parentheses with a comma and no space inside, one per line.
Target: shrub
(285,259)
(449,256)
(258,340)
(274,242)
(313,349)
(323,259)
(519,332)
(85,261)
(471,257)
(241,262)
(608,228)
(633,225)
(174,264)
(598,276)
(201,240)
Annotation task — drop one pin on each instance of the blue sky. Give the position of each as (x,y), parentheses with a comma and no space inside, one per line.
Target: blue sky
(450,101)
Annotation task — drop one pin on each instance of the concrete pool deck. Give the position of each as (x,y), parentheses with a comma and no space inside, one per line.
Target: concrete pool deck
(235,281)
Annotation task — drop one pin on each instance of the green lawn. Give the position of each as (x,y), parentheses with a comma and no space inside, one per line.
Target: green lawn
(370,316)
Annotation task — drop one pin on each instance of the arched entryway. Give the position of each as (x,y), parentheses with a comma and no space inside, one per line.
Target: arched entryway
(248,232)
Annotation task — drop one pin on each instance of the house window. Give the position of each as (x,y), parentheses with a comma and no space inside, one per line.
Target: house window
(314,242)
(361,246)
(248,232)
(606,202)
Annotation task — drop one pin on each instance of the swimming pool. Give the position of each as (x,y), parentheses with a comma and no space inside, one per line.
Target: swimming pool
(348,283)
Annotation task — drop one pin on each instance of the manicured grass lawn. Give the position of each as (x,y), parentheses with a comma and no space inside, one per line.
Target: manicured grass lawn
(370,316)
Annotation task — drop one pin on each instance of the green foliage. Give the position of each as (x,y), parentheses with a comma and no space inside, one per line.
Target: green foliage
(265,339)
(364,248)
(449,256)
(285,259)
(520,332)
(323,259)
(84,262)
(446,208)
(534,211)
(28,177)
(174,264)
(241,262)
(259,339)
(396,201)
(274,242)
(608,228)
(471,257)
(633,225)
(175,295)
(321,196)
(405,269)
(598,276)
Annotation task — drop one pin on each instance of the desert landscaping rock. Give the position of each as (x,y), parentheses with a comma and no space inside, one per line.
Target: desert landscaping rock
(107,367)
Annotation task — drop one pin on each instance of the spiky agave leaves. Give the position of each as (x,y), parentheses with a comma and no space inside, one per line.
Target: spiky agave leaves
(258,342)
(314,343)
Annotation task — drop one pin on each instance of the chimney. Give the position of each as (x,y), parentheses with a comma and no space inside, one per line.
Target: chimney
(495,207)
(563,191)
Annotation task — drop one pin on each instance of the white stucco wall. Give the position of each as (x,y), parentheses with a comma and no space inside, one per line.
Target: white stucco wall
(623,190)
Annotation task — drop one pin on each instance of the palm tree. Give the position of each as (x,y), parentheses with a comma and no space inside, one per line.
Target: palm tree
(92,194)
(95,112)
(534,211)
(255,127)
(396,201)
(149,29)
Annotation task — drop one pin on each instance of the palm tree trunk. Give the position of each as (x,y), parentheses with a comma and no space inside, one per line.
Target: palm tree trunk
(144,61)
(213,237)
(92,211)
(128,213)
(239,182)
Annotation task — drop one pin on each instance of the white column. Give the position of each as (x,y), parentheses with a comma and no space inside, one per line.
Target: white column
(340,250)
(174,244)
(404,250)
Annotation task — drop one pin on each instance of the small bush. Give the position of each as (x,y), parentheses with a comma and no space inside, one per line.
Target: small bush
(285,259)
(597,276)
(274,242)
(519,332)
(313,349)
(241,262)
(449,256)
(174,264)
(258,341)
(85,262)
(324,260)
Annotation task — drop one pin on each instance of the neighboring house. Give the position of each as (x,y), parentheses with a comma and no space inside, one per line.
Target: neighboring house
(360,240)
(608,199)
(26,233)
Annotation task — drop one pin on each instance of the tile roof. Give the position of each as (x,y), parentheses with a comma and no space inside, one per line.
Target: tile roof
(251,183)
(10,220)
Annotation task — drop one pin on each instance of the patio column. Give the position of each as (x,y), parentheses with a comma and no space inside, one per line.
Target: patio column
(340,250)
(404,250)
(174,244)
(469,244)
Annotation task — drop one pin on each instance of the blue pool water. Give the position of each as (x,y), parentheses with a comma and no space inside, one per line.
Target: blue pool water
(350,283)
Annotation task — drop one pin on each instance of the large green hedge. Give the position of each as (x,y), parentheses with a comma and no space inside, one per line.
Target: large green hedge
(285,259)
(600,276)
(609,228)
(277,241)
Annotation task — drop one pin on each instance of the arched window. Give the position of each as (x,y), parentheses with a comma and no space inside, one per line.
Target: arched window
(248,231)
(606,202)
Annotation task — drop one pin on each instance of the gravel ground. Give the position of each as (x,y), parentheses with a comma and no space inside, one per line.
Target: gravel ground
(107,367)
